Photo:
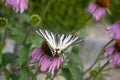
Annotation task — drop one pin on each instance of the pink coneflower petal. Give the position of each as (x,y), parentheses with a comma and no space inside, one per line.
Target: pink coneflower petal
(109,51)
(18,5)
(114,53)
(35,55)
(97,11)
(114,30)
(115,59)
(91,8)
(46,63)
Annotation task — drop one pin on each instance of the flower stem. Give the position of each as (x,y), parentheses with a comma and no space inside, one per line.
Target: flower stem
(101,69)
(97,59)
(46,9)
(26,37)
(78,28)
(35,74)
(52,78)
(4,36)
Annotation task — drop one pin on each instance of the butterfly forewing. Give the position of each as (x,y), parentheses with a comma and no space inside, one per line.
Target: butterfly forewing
(49,37)
(68,40)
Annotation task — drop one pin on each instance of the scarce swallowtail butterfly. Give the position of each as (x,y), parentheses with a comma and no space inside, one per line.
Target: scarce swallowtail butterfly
(58,43)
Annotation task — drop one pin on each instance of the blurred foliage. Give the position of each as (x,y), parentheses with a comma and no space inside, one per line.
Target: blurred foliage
(1,47)
(115,4)
(62,16)
(3,21)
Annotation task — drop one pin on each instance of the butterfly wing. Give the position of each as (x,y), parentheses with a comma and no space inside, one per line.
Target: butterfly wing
(65,41)
(49,37)
(57,41)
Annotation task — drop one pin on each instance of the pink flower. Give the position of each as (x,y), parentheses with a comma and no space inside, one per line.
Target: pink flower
(96,10)
(114,30)
(18,5)
(114,52)
(46,62)
(50,55)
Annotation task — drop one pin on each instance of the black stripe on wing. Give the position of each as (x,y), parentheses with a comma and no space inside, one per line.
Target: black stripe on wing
(76,40)
(72,39)
(68,40)
(57,38)
(48,36)
(45,34)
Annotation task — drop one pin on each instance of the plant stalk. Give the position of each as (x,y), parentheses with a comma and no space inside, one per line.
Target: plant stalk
(97,59)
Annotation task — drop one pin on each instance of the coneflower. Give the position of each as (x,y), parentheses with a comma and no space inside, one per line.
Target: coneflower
(114,30)
(50,55)
(98,8)
(114,52)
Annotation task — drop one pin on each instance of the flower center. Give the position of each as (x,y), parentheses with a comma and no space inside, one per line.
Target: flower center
(117,45)
(46,50)
(103,3)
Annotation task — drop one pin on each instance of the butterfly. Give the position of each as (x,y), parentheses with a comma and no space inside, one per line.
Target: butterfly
(58,43)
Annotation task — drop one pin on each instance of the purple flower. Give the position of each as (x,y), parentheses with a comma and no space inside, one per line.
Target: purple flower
(96,10)
(114,52)
(46,63)
(114,30)
(18,5)
(50,55)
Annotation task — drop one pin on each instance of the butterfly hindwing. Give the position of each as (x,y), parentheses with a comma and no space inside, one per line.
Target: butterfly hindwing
(66,41)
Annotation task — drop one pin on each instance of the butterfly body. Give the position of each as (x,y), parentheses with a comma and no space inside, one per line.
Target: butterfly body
(56,44)
(45,48)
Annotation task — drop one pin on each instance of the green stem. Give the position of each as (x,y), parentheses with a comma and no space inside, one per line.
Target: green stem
(97,59)
(53,77)
(46,9)
(35,74)
(101,69)
(83,24)
(111,68)
(26,37)
(4,36)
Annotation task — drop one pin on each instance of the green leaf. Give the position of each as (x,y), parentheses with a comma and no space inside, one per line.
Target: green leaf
(1,47)
(24,55)
(75,49)
(8,58)
(7,74)
(18,39)
(24,17)
(75,59)
(17,31)
(66,73)
(100,77)
(25,74)
(36,40)
(76,73)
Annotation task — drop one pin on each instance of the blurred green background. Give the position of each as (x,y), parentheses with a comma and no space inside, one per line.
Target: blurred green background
(59,16)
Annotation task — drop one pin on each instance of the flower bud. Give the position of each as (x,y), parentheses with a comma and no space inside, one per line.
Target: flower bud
(35,19)
(93,73)
(3,21)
